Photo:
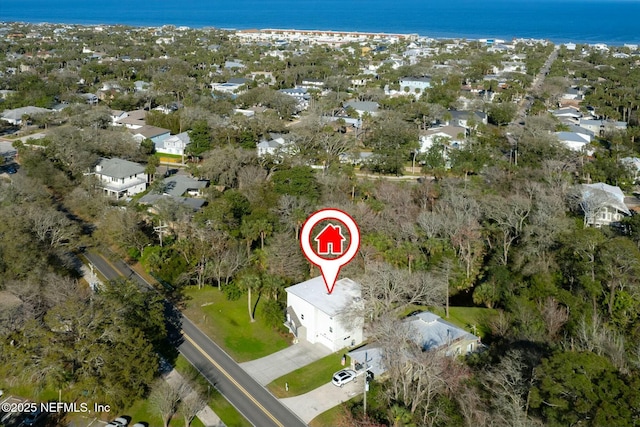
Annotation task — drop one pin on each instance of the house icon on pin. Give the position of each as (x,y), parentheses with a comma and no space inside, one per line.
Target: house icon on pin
(330,240)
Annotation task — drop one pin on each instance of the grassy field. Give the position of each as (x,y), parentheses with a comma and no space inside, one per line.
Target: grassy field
(467,317)
(227,413)
(227,323)
(308,377)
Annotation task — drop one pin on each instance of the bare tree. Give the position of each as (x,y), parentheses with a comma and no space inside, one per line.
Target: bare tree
(164,398)
(554,316)
(284,258)
(456,217)
(293,211)
(190,405)
(387,289)
(508,386)
(416,377)
(51,226)
(507,215)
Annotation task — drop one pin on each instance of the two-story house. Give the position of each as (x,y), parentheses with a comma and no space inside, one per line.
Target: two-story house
(316,316)
(121,178)
(602,204)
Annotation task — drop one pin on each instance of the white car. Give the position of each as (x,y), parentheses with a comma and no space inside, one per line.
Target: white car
(342,377)
(118,422)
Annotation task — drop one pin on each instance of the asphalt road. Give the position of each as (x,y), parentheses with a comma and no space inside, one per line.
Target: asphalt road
(527,102)
(250,398)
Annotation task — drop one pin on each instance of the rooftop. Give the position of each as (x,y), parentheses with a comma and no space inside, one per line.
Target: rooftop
(118,168)
(314,291)
(433,332)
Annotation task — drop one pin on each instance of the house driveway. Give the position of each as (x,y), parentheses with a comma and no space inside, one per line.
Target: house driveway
(268,368)
(309,405)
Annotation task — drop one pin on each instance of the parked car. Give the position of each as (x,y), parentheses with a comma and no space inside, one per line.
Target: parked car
(343,377)
(118,422)
(33,418)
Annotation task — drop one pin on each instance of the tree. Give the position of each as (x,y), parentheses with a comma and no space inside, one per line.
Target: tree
(574,388)
(283,258)
(200,137)
(254,227)
(164,398)
(386,289)
(508,385)
(298,181)
(619,261)
(190,405)
(147,147)
(250,281)
(152,166)
(393,140)
(456,217)
(501,114)
(292,211)
(507,216)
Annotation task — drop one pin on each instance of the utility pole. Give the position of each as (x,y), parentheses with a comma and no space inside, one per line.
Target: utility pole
(160,229)
(366,382)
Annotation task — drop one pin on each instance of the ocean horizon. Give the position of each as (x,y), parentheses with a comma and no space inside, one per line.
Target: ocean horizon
(581,21)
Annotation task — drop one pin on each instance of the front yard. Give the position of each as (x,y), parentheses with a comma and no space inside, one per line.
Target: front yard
(308,377)
(227,323)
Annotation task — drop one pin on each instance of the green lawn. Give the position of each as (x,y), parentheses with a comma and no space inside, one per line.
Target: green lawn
(142,411)
(227,413)
(308,377)
(227,323)
(328,418)
(467,317)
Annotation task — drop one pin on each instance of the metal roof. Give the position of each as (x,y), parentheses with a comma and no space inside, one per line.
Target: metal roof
(345,293)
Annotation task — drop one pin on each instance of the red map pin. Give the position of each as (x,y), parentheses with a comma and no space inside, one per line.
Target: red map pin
(330,241)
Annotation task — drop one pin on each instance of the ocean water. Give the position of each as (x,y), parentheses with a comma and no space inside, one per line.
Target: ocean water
(592,21)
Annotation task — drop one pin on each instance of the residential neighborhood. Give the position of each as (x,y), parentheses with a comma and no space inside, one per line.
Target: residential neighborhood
(155,183)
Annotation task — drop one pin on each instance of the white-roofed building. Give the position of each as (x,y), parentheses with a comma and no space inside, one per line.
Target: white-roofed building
(602,204)
(575,141)
(316,316)
(430,332)
(434,333)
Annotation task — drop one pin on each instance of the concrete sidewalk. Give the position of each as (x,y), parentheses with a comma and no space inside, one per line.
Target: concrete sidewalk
(309,405)
(268,368)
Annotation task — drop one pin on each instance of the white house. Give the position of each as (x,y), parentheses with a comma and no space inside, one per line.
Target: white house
(575,141)
(415,85)
(316,316)
(602,204)
(120,178)
(465,118)
(300,95)
(428,331)
(275,146)
(568,113)
(362,107)
(599,127)
(232,87)
(14,116)
(454,134)
(174,144)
